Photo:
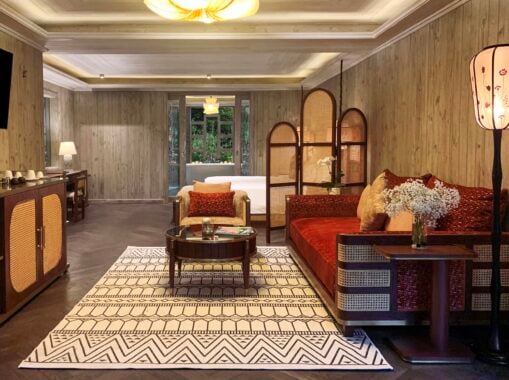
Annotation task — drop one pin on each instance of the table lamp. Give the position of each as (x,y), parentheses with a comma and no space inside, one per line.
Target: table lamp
(67,149)
(489,71)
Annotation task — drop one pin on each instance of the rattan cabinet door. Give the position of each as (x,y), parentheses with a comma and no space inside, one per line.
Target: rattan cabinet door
(21,260)
(52,237)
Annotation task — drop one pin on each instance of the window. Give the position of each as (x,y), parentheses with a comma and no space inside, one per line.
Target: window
(211,135)
(47,132)
(173,148)
(245,132)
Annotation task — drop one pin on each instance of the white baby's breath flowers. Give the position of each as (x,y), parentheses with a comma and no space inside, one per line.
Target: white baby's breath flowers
(415,197)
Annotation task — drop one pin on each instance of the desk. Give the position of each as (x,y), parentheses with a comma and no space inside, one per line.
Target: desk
(436,349)
(74,180)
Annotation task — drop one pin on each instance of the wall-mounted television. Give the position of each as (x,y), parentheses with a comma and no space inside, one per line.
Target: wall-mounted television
(5,86)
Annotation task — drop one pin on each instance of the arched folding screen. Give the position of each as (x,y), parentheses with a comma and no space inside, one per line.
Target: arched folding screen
(353,147)
(282,172)
(318,139)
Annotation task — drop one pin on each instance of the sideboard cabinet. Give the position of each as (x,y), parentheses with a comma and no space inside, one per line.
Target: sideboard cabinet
(32,241)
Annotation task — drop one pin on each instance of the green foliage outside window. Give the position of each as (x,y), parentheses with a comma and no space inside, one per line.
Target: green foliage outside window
(212,136)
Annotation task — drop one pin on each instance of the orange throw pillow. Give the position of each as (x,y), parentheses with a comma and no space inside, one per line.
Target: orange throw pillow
(203,187)
(373,212)
(401,222)
(211,204)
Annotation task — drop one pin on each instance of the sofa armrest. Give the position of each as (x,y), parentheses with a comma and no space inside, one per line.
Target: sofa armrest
(308,206)
(368,283)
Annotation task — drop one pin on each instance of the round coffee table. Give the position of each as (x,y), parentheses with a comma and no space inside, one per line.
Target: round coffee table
(186,243)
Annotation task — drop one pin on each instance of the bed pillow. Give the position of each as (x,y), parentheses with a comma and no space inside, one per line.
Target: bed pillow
(203,187)
(211,204)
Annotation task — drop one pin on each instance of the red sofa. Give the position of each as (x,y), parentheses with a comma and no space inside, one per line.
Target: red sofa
(361,287)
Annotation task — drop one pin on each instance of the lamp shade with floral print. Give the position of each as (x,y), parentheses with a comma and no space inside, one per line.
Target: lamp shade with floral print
(489,72)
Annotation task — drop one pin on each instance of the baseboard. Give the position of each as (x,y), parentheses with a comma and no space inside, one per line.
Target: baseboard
(124,201)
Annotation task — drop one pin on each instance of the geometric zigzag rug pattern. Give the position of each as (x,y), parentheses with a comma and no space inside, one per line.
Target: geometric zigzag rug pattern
(131,319)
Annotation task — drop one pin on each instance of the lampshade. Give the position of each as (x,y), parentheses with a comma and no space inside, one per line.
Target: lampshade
(67,148)
(489,72)
(211,106)
(206,11)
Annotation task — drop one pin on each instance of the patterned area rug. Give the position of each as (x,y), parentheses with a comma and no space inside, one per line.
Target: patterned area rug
(131,320)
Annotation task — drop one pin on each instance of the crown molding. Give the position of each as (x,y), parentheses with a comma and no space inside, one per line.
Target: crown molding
(20,25)
(396,20)
(210,36)
(327,72)
(61,79)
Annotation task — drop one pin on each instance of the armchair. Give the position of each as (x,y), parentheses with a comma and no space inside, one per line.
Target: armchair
(242,210)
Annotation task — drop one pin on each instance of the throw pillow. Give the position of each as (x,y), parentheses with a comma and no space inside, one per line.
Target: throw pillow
(362,201)
(373,213)
(474,212)
(211,204)
(401,222)
(394,180)
(203,187)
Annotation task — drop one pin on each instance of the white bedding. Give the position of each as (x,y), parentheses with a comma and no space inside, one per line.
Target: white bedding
(254,186)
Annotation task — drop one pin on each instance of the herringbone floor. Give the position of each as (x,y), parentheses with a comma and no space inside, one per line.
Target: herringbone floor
(95,243)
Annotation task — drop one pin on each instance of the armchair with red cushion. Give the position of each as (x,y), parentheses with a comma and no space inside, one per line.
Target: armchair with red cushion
(227,208)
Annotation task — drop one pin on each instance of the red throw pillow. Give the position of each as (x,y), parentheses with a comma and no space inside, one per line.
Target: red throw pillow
(211,204)
(474,212)
(394,180)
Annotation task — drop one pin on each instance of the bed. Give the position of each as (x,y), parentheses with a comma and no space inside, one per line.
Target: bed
(254,186)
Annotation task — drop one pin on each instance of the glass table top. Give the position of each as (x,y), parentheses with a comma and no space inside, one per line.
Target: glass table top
(221,233)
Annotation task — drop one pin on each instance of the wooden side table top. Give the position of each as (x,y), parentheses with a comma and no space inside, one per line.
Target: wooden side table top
(431,252)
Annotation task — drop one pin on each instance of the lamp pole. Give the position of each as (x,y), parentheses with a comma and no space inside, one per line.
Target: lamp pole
(488,70)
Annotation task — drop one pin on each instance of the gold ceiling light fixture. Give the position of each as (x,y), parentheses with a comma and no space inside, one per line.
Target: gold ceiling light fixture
(211,106)
(206,11)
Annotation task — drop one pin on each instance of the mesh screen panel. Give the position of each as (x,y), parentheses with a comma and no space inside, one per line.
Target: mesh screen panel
(318,117)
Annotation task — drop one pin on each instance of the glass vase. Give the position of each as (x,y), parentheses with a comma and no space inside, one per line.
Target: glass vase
(419,232)
(207,229)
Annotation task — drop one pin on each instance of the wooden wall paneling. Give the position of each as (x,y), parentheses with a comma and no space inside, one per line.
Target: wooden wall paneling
(21,145)
(417,98)
(61,120)
(124,138)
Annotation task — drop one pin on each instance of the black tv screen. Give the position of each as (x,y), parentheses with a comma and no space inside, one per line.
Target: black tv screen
(5,86)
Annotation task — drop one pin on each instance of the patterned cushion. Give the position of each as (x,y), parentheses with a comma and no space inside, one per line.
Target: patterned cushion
(211,204)
(393,180)
(203,187)
(475,209)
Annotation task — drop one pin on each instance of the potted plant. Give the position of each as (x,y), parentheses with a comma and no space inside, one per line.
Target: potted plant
(425,204)
(332,187)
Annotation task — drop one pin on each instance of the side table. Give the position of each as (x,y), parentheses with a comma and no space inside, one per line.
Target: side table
(438,348)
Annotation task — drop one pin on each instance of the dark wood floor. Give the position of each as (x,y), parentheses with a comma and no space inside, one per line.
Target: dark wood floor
(95,243)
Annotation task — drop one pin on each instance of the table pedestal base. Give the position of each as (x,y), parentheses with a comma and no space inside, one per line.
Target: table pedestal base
(415,350)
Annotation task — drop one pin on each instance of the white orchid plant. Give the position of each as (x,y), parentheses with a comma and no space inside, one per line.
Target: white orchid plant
(329,161)
(427,203)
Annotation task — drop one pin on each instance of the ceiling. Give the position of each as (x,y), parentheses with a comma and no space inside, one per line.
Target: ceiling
(288,43)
